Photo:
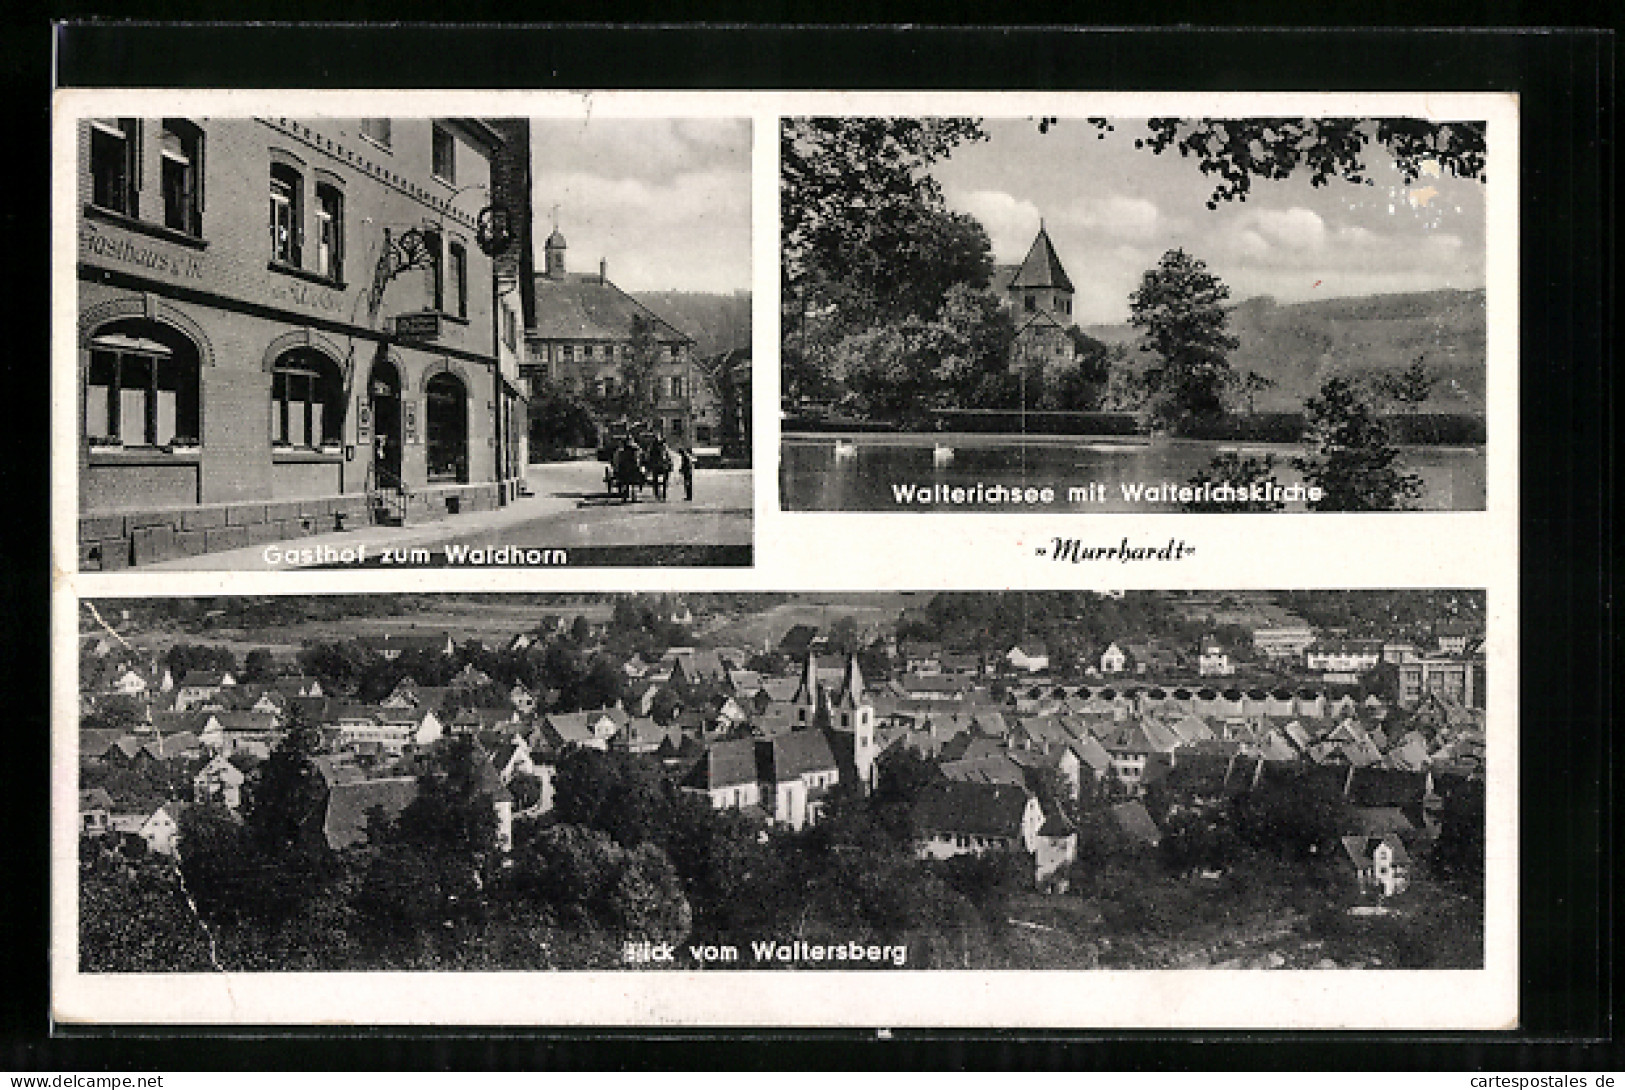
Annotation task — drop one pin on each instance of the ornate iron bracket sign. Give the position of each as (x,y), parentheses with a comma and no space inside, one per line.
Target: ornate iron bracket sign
(493,230)
(410,251)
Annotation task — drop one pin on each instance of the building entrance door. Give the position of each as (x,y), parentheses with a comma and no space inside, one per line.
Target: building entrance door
(384,391)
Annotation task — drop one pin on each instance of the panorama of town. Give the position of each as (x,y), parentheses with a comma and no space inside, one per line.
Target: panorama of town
(985,780)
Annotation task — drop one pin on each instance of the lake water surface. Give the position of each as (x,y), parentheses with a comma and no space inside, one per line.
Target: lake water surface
(868,472)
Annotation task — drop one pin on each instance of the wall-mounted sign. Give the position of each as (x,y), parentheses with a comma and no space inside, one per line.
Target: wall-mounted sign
(424,326)
(409,412)
(363,418)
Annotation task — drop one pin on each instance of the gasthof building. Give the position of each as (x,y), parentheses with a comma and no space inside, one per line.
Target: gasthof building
(291,326)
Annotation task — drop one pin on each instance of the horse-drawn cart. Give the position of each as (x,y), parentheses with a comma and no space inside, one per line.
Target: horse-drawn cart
(632,464)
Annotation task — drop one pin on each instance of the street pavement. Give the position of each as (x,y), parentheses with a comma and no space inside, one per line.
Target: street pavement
(569,509)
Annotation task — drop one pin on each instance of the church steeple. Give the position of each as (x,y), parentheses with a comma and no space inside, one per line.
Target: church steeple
(851,694)
(553,251)
(1040,283)
(1042,266)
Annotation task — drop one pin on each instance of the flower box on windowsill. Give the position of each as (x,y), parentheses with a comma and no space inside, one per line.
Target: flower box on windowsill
(101,442)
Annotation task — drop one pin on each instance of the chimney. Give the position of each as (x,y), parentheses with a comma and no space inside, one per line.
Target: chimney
(603,270)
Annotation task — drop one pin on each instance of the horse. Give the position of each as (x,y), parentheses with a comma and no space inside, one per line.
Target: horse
(628,470)
(657,467)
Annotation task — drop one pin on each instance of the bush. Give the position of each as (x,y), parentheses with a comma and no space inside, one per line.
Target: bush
(1046,422)
(1437,429)
(1250,427)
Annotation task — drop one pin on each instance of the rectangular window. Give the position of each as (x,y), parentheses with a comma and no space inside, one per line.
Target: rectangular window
(676,351)
(286,191)
(181,155)
(437,269)
(1030,303)
(569,351)
(676,386)
(330,232)
(445,156)
(138,399)
(113,162)
(376,129)
(459,278)
(299,417)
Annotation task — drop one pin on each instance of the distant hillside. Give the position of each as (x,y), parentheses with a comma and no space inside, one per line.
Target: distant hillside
(1300,345)
(718,323)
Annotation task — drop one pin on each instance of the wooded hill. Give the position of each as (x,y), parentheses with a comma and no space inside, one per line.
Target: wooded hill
(1300,345)
(718,323)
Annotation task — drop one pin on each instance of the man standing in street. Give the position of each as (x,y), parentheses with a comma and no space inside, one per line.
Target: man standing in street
(686,468)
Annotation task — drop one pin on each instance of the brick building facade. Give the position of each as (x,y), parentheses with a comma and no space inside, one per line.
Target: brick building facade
(287,326)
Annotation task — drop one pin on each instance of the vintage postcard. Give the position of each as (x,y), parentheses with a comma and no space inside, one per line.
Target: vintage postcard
(1133,314)
(430,653)
(1076,802)
(319,341)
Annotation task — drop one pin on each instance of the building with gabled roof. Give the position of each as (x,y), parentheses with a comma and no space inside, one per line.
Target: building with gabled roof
(784,777)
(971,817)
(1380,863)
(1136,823)
(581,340)
(587,729)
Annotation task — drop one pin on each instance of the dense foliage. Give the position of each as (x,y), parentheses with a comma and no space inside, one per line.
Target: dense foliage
(1356,465)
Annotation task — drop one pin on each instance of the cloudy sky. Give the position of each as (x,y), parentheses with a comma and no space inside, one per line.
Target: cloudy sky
(1112,211)
(666,202)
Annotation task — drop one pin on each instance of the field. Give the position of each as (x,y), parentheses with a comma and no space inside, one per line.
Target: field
(870,610)
(493,619)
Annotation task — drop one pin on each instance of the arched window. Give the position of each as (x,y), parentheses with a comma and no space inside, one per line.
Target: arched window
(307,400)
(445,422)
(141,388)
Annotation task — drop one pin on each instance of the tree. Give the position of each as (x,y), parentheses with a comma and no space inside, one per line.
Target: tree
(287,796)
(1358,467)
(624,796)
(1299,817)
(1252,384)
(1411,386)
(1241,472)
(259,667)
(133,918)
(870,252)
(1179,311)
(1458,853)
(183,658)
(587,878)
(635,396)
(452,811)
(840,178)
(558,420)
(900,776)
(1238,150)
(212,857)
(1195,839)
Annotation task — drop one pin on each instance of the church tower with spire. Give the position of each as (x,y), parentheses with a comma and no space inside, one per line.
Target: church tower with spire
(810,701)
(854,714)
(1040,284)
(553,251)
